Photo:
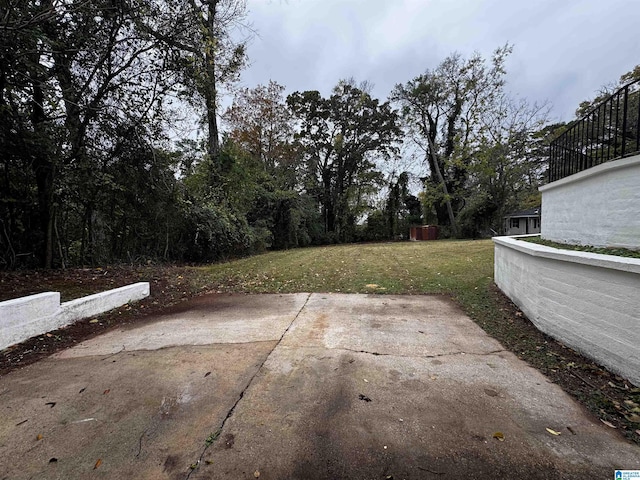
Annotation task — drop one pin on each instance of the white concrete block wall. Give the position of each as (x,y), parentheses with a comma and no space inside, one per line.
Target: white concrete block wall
(589,302)
(599,206)
(101,302)
(26,317)
(20,310)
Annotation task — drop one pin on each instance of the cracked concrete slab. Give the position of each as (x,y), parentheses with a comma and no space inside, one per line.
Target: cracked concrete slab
(298,386)
(260,318)
(388,324)
(143,414)
(363,416)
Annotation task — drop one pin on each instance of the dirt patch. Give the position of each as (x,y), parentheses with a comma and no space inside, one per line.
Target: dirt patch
(170,286)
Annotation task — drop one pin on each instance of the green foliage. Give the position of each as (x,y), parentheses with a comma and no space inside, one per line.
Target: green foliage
(443,111)
(607,90)
(89,175)
(619,252)
(402,210)
(340,139)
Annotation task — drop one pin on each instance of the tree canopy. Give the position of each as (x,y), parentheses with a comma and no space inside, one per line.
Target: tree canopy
(95,168)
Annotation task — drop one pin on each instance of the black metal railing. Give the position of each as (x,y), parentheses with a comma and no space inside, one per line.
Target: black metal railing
(609,131)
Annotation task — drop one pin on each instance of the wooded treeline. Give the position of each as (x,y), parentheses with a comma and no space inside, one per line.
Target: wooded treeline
(97,166)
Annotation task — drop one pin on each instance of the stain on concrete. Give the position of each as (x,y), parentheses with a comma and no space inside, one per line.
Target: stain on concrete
(286,377)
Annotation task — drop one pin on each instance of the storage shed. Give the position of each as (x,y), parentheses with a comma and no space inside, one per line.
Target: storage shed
(424,232)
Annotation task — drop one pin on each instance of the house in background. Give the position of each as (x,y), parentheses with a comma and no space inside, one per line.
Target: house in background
(523,222)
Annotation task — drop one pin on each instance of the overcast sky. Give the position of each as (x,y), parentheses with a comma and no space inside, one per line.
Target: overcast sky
(564,50)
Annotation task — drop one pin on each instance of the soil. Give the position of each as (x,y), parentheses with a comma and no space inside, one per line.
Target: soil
(170,285)
(610,397)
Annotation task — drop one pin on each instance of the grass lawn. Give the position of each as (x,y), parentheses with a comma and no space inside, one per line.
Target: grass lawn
(462,270)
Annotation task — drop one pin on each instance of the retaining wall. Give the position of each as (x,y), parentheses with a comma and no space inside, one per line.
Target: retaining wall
(599,206)
(26,317)
(590,302)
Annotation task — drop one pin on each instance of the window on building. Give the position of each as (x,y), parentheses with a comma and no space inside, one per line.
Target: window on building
(536,223)
(514,223)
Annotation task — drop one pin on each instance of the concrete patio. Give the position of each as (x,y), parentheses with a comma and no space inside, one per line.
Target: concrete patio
(298,386)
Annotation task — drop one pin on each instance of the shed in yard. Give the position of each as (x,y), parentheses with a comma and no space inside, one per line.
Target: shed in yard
(424,232)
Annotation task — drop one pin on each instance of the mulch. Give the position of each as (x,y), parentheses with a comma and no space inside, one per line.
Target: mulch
(170,285)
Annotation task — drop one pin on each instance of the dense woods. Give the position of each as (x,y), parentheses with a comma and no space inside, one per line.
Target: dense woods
(98,163)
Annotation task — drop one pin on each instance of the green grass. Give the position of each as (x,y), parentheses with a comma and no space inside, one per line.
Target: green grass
(463,269)
(618,252)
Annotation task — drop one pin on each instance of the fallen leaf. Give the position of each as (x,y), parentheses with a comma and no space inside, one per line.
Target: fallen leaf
(98,463)
(364,398)
(571,430)
(51,404)
(39,437)
(106,391)
(53,460)
(371,285)
(207,374)
(256,474)
(49,335)
(633,418)
(93,320)
(552,432)
(499,436)
(365,380)
(608,424)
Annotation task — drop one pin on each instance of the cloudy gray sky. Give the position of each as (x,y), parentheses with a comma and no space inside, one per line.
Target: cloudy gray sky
(564,50)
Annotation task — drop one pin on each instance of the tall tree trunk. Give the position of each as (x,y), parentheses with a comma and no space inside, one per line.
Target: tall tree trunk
(43,167)
(445,190)
(45,172)
(210,88)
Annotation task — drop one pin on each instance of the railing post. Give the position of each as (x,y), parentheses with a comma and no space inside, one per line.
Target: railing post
(615,143)
(624,120)
(610,121)
(637,92)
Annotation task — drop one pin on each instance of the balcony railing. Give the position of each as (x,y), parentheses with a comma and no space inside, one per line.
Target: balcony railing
(609,131)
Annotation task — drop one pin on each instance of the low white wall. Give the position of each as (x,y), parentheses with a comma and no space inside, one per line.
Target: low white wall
(20,310)
(590,302)
(599,206)
(101,302)
(26,317)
